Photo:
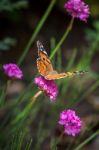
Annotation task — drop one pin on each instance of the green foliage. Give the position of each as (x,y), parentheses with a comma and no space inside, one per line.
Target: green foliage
(10,6)
(7,43)
(93,34)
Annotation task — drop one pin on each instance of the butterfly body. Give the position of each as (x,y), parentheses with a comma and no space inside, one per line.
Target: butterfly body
(45,67)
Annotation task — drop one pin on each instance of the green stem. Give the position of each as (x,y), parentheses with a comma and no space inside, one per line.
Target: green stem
(57,140)
(18,100)
(87,140)
(60,137)
(28,145)
(26,111)
(36,31)
(4,93)
(63,38)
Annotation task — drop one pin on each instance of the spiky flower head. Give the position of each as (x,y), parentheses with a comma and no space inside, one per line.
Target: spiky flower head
(71,122)
(12,71)
(77,9)
(47,86)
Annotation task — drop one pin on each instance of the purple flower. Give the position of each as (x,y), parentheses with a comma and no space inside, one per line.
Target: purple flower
(12,71)
(78,9)
(71,122)
(47,86)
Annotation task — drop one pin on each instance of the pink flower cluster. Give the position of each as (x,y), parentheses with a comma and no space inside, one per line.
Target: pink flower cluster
(12,71)
(47,86)
(71,122)
(78,9)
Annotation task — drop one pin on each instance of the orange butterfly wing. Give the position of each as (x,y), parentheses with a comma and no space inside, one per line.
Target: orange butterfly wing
(43,62)
(41,67)
(55,76)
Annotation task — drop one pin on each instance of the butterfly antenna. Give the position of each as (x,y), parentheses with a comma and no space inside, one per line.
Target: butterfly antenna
(79,72)
(74,73)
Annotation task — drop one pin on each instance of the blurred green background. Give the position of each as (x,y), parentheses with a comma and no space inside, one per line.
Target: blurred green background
(27,127)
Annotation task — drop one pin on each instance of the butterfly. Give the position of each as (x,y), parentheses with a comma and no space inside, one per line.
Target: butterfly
(45,67)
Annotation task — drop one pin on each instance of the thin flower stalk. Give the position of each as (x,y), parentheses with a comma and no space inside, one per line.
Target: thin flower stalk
(36,96)
(4,92)
(63,38)
(80,146)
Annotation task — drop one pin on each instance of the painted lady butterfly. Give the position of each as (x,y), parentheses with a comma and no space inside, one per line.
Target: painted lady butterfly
(45,67)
